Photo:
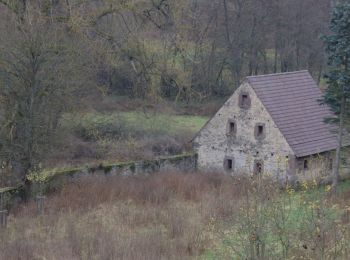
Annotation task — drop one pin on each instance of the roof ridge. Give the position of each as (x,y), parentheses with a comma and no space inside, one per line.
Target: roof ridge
(276,74)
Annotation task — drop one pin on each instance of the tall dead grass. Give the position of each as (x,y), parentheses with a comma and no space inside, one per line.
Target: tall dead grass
(173,215)
(161,216)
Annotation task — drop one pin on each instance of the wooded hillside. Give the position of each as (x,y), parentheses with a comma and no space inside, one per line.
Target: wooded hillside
(58,56)
(180,49)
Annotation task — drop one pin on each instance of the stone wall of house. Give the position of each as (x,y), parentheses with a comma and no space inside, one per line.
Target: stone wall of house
(213,144)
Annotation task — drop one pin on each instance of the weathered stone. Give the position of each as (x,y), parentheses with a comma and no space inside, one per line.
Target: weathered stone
(255,139)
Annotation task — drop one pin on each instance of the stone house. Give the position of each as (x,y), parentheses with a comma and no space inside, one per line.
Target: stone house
(272,124)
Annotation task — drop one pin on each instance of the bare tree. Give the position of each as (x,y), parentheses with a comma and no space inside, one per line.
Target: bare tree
(41,74)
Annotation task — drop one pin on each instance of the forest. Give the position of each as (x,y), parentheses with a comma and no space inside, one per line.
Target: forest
(61,61)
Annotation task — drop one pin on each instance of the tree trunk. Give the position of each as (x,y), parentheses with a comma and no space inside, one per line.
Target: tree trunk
(340,139)
(27,190)
(227,24)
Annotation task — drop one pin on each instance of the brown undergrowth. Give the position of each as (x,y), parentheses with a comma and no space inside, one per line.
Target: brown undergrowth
(161,216)
(174,215)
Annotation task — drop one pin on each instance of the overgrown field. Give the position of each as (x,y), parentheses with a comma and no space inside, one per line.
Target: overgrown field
(134,123)
(181,216)
(119,136)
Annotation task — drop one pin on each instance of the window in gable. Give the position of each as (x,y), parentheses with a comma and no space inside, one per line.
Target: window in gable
(231,128)
(244,100)
(260,131)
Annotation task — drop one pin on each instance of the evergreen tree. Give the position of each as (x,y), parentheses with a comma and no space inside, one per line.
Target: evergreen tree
(338,91)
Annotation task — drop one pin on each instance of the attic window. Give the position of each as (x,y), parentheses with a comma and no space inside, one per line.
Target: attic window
(244,100)
(259,131)
(228,164)
(231,128)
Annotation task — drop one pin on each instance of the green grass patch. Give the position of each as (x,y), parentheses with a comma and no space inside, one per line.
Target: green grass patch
(294,212)
(133,123)
(165,123)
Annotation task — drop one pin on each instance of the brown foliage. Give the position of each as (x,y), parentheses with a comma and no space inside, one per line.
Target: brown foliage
(161,216)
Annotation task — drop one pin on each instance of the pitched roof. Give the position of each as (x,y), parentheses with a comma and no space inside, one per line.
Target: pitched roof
(292,100)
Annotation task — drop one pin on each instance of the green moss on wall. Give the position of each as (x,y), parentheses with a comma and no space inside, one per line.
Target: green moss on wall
(53,179)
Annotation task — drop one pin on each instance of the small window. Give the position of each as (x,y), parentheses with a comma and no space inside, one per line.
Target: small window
(228,164)
(231,128)
(244,100)
(258,167)
(331,164)
(259,131)
(306,164)
(303,165)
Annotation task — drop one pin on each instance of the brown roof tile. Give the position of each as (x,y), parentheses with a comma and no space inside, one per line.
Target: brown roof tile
(292,100)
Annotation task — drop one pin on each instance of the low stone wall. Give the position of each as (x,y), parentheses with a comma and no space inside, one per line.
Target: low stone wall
(52,180)
(183,162)
(10,195)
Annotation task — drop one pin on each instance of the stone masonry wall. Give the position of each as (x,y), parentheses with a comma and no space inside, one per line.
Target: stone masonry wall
(213,144)
(57,178)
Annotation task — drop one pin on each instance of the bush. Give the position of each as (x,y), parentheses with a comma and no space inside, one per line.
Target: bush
(100,128)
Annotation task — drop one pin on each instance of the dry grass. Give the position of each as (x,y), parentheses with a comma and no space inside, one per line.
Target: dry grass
(174,215)
(162,216)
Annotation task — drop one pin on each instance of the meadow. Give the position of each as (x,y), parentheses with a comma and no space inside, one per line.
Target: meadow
(136,123)
(95,136)
(174,215)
